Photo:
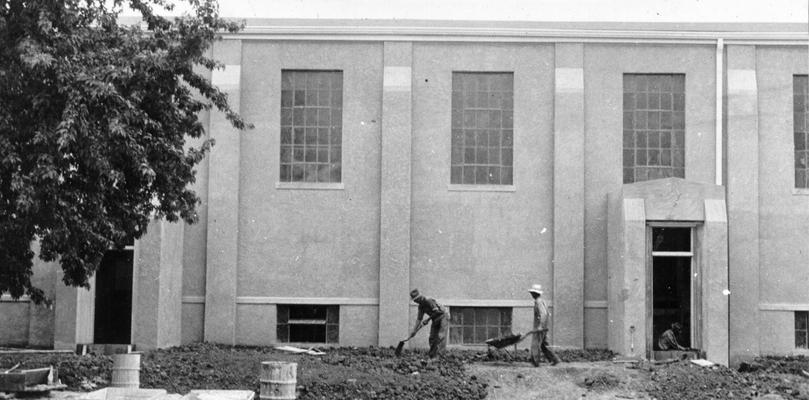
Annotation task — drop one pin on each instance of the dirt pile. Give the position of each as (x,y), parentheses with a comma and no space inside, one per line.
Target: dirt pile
(780,365)
(344,373)
(523,355)
(684,380)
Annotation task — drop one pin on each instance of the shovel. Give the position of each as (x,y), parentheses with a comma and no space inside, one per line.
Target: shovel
(401,344)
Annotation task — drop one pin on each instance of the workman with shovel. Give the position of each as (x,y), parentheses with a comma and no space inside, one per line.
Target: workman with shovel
(540,340)
(437,315)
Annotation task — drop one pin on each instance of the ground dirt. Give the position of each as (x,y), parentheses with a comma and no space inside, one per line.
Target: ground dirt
(376,373)
(600,380)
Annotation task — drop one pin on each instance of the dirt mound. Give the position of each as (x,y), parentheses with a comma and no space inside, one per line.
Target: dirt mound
(781,365)
(343,373)
(684,380)
(566,355)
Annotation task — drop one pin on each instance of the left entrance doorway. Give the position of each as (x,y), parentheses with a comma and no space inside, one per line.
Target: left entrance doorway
(113,303)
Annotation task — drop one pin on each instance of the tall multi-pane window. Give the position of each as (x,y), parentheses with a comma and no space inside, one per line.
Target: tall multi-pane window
(482,128)
(654,126)
(311,126)
(802,329)
(800,108)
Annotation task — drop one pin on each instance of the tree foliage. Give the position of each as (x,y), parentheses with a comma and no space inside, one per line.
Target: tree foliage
(94,119)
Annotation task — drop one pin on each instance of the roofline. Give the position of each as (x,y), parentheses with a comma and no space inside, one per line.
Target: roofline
(374,30)
(523,32)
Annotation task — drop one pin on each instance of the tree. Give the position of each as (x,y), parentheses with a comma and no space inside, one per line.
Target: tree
(94,118)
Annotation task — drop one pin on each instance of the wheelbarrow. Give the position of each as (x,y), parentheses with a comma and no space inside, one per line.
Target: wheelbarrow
(500,343)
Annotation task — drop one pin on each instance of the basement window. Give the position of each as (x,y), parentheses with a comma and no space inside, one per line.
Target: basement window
(802,329)
(473,325)
(308,323)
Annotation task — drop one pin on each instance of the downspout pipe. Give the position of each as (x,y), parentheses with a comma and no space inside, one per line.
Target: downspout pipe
(720,51)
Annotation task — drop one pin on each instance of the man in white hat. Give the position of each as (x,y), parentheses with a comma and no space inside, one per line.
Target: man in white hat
(540,340)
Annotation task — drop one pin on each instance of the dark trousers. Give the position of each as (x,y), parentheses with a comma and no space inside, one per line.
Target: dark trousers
(438,336)
(540,342)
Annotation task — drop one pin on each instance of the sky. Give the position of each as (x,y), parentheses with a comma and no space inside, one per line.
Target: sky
(796,11)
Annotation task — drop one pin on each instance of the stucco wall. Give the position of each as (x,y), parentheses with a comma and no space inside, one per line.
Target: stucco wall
(40,323)
(778,333)
(480,244)
(14,329)
(24,323)
(194,248)
(783,210)
(604,66)
(193,320)
(310,243)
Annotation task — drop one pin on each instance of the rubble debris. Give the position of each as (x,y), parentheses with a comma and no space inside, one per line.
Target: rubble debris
(602,380)
(298,350)
(220,395)
(702,362)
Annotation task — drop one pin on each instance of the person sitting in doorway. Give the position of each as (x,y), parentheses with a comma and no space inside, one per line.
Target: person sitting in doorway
(668,340)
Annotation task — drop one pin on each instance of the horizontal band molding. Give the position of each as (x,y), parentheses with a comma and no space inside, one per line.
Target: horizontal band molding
(193,300)
(348,301)
(595,304)
(486,303)
(783,306)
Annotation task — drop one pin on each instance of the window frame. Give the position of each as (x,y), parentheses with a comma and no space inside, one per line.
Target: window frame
(646,140)
(290,129)
(798,315)
(462,104)
(330,323)
(804,171)
(457,312)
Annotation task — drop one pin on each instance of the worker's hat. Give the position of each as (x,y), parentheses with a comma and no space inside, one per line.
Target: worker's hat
(536,289)
(414,294)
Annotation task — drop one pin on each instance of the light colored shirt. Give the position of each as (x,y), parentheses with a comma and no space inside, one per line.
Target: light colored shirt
(541,314)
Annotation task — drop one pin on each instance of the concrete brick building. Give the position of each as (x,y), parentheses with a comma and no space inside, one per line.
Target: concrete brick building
(644,174)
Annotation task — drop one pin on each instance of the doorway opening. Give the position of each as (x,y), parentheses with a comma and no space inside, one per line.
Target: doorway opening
(113,302)
(672,284)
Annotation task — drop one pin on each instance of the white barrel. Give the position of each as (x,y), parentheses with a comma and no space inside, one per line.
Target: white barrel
(278,380)
(126,370)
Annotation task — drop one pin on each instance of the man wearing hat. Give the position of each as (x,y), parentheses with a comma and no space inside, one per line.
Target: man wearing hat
(436,314)
(540,340)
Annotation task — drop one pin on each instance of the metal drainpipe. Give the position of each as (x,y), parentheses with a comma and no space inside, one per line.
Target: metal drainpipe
(720,51)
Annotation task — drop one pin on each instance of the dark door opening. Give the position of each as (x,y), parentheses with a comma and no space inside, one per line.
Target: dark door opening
(113,302)
(671,297)
(671,283)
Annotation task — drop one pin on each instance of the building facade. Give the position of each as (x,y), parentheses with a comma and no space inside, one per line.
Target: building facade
(644,174)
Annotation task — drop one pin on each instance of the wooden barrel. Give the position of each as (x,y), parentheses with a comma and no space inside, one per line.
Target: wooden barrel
(278,379)
(126,370)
